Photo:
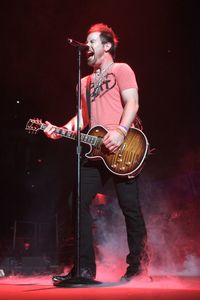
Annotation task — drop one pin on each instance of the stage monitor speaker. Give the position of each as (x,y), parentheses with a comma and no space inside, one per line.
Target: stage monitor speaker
(8,264)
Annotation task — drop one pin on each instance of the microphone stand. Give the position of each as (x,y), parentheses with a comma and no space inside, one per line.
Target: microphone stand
(77,280)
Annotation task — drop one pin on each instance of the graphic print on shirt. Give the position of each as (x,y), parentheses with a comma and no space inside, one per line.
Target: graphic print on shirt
(102,86)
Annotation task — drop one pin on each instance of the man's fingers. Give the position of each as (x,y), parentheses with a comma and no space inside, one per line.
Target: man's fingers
(49,129)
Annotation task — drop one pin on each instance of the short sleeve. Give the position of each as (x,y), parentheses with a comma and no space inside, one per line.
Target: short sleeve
(125,76)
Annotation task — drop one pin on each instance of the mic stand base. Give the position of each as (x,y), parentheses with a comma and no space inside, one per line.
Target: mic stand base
(76,282)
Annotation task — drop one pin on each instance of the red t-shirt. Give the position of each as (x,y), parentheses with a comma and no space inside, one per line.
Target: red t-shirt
(107,104)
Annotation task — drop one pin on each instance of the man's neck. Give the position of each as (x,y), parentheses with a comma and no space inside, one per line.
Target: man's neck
(101,68)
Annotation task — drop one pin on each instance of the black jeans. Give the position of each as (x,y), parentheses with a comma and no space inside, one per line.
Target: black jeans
(93,176)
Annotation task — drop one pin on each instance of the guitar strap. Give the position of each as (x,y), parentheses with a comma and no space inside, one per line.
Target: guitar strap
(88,97)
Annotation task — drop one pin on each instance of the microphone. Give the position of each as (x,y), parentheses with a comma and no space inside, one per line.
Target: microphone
(79,45)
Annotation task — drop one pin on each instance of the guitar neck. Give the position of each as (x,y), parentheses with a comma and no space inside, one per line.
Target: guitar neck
(85,138)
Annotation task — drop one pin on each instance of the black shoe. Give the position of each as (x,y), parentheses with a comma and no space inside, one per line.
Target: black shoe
(129,275)
(62,278)
(84,273)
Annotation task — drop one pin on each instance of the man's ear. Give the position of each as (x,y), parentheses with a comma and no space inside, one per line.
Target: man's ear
(107,46)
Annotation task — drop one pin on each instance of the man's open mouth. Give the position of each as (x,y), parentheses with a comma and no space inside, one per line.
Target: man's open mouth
(89,53)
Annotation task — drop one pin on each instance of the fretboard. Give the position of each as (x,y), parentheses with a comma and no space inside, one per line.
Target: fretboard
(85,138)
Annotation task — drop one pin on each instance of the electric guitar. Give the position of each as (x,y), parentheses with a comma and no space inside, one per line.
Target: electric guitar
(127,161)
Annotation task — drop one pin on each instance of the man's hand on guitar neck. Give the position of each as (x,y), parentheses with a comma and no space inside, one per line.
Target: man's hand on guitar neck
(50,131)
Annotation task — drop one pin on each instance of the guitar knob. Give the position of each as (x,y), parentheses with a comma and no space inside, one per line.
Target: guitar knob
(122,168)
(114,166)
(128,163)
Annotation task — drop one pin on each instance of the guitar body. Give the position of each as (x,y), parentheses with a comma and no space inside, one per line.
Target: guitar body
(130,156)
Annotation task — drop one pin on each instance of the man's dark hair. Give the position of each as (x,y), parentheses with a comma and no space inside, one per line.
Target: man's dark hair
(107,35)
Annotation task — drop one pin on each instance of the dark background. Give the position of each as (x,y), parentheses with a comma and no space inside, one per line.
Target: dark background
(160,41)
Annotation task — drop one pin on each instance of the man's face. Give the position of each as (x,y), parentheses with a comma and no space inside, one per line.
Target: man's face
(96,50)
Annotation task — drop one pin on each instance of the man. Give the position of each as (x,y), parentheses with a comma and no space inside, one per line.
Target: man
(113,97)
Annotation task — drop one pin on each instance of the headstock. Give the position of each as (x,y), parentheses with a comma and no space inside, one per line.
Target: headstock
(34,125)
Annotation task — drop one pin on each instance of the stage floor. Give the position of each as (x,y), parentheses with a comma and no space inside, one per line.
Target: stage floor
(159,288)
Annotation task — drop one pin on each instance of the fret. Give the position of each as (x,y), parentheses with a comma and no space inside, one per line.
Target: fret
(66,133)
(98,142)
(89,139)
(59,131)
(63,132)
(70,134)
(93,140)
(83,137)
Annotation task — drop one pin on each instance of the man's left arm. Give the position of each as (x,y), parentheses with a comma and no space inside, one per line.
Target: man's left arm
(131,105)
